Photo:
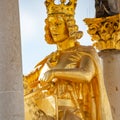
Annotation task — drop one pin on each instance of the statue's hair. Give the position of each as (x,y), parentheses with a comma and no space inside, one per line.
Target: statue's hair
(71,26)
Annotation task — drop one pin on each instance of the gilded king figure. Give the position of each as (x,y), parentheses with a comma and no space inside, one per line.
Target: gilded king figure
(68,84)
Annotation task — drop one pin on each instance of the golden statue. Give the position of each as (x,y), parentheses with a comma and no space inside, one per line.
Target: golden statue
(68,84)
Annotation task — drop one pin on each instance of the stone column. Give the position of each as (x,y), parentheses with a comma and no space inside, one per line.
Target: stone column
(111,68)
(105,33)
(11,87)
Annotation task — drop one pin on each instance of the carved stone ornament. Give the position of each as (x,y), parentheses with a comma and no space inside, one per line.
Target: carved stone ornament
(105,32)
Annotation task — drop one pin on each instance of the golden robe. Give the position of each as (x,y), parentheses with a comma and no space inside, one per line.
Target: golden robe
(68,100)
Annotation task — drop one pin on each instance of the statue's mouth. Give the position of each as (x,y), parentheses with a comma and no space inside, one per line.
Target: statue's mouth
(55,35)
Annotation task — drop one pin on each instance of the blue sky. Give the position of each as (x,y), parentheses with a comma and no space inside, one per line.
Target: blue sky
(32,16)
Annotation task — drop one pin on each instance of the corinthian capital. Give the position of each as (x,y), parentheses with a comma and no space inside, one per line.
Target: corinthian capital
(105,32)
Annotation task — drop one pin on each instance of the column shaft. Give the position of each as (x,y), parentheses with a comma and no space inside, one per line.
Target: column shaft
(11,86)
(111,68)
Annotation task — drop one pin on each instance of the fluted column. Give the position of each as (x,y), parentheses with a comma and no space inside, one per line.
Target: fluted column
(105,34)
(11,88)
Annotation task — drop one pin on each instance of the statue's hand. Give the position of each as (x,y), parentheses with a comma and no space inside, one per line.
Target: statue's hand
(48,76)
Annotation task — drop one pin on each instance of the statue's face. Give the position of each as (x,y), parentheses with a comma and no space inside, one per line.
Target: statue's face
(58,28)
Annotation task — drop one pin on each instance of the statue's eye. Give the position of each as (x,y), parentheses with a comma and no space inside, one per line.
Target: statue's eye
(58,24)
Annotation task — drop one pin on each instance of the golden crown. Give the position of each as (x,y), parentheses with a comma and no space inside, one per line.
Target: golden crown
(62,8)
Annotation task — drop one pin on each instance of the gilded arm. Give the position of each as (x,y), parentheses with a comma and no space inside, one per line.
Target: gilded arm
(84,73)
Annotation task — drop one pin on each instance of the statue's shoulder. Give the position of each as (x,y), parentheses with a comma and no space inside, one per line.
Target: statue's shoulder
(88,49)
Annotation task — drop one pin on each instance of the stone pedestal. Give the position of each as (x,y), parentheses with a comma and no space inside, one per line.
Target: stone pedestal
(11,86)
(111,69)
